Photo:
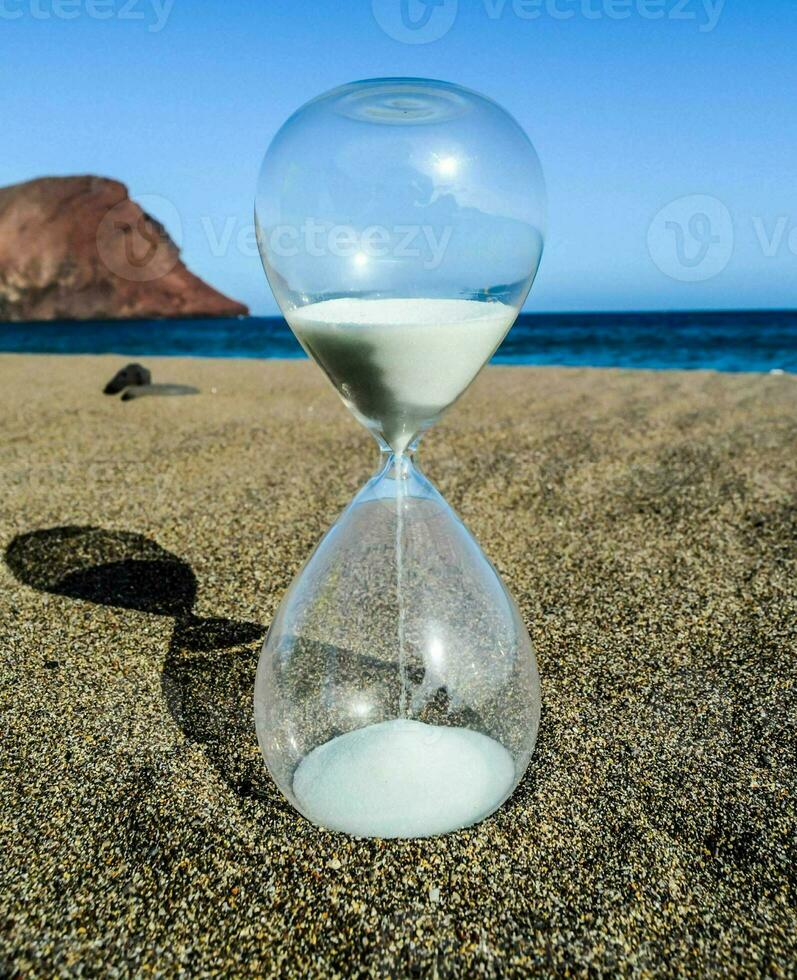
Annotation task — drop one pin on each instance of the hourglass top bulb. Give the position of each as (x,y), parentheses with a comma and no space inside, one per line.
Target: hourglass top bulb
(400,223)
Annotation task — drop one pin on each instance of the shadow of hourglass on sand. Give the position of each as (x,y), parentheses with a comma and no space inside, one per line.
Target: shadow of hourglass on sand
(208,675)
(209,671)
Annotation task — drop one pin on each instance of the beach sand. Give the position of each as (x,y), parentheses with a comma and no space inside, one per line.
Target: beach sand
(647,525)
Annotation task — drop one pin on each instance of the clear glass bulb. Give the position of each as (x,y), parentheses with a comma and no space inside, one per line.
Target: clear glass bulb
(400,222)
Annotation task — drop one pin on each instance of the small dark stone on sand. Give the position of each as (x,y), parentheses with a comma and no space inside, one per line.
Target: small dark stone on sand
(141,391)
(132,374)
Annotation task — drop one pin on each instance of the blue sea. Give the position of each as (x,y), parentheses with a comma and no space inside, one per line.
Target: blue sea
(720,341)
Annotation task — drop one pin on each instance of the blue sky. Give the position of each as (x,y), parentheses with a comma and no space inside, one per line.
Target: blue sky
(666,128)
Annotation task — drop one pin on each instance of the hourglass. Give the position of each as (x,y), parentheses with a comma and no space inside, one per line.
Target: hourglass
(400,223)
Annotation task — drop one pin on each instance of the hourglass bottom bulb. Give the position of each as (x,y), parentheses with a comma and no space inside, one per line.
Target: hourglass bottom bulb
(397,692)
(403,778)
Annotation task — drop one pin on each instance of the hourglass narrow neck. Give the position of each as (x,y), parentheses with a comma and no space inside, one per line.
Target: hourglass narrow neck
(397,465)
(398,475)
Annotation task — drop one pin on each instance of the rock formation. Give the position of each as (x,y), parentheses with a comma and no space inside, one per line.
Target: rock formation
(78,248)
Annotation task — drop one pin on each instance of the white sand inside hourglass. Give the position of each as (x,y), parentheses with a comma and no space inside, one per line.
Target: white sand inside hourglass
(401,362)
(403,778)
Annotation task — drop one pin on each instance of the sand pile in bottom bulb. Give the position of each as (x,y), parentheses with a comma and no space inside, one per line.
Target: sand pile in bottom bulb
(403,778)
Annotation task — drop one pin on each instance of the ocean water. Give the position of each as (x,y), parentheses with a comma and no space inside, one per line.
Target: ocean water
(720,341)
